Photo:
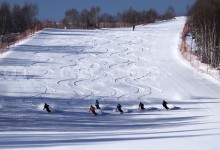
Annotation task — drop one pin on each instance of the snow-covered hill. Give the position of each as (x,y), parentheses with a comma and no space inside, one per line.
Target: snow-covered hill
(70,69)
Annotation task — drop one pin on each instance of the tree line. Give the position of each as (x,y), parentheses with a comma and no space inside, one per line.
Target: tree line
(17,19)
(204,24)
(92,18)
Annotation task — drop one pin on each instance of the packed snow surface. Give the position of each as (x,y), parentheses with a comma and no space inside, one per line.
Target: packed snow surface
(70,69)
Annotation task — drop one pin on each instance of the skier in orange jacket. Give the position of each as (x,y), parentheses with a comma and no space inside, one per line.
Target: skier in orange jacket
(92,110)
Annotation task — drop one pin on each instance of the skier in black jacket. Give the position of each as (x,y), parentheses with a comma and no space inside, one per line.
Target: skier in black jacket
(141,106)
(165,105)
(46,106)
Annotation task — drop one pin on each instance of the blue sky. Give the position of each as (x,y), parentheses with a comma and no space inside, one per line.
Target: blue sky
(55,9)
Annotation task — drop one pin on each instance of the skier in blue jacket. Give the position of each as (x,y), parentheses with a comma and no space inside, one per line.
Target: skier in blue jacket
(97,104)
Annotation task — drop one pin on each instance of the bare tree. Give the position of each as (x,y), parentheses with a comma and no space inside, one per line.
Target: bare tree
(94,16)
(204,22)
(72,18)
(169,13)
(85,18)
(29,14)
(5,18)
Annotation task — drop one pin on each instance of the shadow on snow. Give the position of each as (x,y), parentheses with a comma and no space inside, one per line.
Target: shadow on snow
(71,117)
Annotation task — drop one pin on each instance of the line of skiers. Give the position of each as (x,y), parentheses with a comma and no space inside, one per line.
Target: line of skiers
(119,107)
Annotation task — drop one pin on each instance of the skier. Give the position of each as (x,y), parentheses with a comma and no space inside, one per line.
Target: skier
(119,108)
(92,110)
(133,27)
(97,104)
(165,105)
(46,106)
(141,106)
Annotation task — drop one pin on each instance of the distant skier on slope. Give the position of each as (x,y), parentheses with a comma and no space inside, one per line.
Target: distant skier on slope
(92,110)
(97,104)
(141,106)
(133,27)
(164,103)
(46,106)
(119,107)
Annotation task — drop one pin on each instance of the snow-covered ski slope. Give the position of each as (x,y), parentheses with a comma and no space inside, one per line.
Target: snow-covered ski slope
(70,69)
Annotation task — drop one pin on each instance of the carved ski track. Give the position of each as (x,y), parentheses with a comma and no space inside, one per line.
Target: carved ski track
(94,79)
(150,87)
(136,42)
(124,51)
(134,89)
(64,56)
(123,77)
(128,42)
(142,76)
(42,85)
(78,81)
(128,80)
(117,91)
(29,71)
(127,60)
(80,59)
(100,77)
(111,66)
(68,66)
(78,91)
(67,80)
(108,73)
(68,55)
(92,92)
(39,62)
(144,89)
(114,53)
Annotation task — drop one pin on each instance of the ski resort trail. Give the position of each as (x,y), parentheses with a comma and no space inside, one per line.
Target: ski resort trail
(70,69)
